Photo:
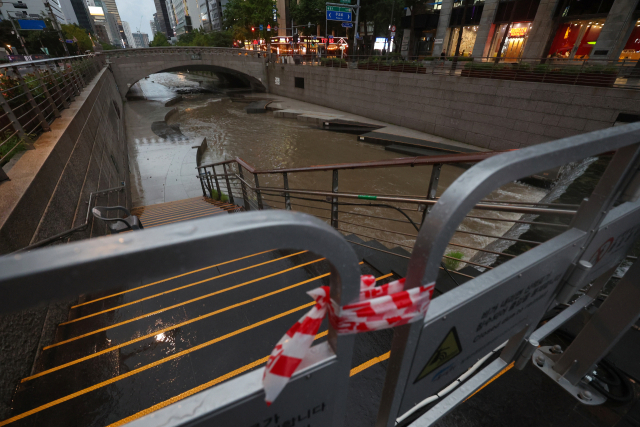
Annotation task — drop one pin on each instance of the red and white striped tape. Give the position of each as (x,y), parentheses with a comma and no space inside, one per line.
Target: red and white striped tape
(380,307)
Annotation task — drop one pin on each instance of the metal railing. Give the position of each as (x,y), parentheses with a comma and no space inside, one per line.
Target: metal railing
(582,72)
(87,220)
(32,94)
(391,219)
(190,50)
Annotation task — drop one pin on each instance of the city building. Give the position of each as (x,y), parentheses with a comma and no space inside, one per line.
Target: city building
(81,15)
(211,14)
(141,39)
(69,13)
(154,25)
(184,15)
(128,35)
(162,17)
(515,29)
(31,9)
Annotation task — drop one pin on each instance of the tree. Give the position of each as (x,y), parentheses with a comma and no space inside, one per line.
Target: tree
(308,11)
(159,40)
(83,44)
(242,15)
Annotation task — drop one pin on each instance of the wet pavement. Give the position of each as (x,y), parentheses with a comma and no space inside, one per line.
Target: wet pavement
(139,347)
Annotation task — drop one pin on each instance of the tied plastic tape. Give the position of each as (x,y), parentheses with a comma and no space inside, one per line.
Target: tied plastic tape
(380,307)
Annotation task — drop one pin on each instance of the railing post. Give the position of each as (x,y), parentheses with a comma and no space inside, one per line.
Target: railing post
(334,200)
(229,192)
(68,82)
(247,207)
(209,183)
(14,120)
(433,189)
(32,101)
(287,199)
(215,177)
(46,92)
(63,94)
(200,177)
(258,195)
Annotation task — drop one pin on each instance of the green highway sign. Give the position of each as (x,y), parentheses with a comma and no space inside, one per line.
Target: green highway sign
(338,9)
(345,1)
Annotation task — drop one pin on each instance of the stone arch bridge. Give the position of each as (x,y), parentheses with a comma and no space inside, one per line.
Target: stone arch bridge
(236,65)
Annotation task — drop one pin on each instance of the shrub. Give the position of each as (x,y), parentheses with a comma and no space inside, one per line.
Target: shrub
(453,264)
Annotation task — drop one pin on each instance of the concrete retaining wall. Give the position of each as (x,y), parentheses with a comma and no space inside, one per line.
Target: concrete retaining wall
(85,151)
(494,114)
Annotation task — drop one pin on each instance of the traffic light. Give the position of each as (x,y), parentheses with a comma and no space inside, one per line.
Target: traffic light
(253,28)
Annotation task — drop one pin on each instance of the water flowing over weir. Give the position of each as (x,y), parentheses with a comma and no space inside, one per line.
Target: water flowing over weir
(270,143)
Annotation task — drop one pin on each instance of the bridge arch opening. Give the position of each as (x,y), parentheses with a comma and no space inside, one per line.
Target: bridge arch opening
(229,77)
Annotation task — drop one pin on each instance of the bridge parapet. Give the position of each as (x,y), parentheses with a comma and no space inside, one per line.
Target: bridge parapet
(246,66)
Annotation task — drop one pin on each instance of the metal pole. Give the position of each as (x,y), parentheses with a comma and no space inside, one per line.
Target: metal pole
(390,24)
(355,32)
(215,177)
(287,198)
(258,195)
(605,328)
(204,192)
(224,169)
(334,200)
(32,101)
(244,188)
(433,189)
(56,26)
(46,92)
(26,52)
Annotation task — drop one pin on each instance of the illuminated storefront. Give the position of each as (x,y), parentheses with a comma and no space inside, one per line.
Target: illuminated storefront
(306,45)
(631,50)
(511,28)
(510,39)
(576,39)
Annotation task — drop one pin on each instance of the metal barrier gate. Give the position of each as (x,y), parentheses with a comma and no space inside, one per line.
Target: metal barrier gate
(321,382)
(507,303)
(502,305)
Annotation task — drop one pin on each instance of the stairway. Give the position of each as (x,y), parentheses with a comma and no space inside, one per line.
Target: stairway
(141,346)
(182,210)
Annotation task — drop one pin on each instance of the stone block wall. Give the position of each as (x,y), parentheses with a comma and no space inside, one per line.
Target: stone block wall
(493,114)
(85,151)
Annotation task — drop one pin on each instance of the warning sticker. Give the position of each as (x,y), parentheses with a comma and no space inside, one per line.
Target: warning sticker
(447,350)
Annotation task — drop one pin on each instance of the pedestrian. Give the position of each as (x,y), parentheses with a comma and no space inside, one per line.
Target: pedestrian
(443,54)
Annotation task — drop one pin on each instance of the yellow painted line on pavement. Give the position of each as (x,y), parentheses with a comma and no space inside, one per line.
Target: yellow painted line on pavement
(176,305)
(369,364)
(151,365)
(180,288)
(227,376)
(170,278)
(178,325)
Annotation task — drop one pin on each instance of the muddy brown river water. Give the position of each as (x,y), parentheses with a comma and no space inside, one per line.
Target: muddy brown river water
(268,143)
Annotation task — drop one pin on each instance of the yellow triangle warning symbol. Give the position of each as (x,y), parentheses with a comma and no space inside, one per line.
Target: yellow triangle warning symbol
(448,349)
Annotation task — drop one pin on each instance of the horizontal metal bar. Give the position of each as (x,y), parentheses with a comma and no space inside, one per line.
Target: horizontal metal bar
(467,262)
(499,238)
(498,208)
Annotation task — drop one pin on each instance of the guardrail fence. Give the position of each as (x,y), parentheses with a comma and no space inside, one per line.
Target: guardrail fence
(32,94)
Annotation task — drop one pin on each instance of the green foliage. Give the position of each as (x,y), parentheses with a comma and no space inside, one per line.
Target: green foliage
(308,11)
(159,40)
(214,195)
(107,46)
(453,264)
(13,143)
(241,15)
(84,42)
(200,38)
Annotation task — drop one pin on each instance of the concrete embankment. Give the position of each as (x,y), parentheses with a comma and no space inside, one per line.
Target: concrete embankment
(85,152)
(488,113)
